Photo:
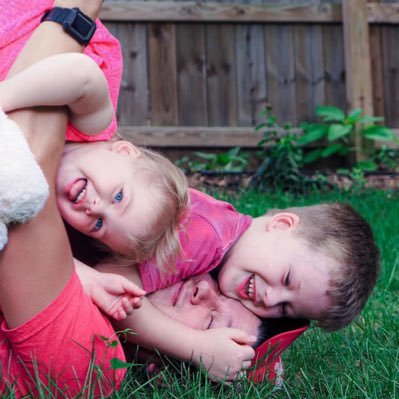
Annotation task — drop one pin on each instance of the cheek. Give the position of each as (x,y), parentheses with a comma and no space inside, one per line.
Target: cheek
(226,280)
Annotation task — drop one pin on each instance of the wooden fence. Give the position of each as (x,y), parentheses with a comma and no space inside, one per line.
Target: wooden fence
(197,74)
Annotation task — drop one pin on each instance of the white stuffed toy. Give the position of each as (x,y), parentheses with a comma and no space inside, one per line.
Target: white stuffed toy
(23,187)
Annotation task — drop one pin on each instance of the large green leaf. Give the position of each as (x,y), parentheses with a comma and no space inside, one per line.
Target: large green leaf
(313,155)
(332,149)
(380,133)
(336,131)
(354,115)
(367,120)
(312,133)
(330,114)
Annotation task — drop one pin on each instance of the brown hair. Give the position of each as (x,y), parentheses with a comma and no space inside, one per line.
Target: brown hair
(162,242)
(341,233)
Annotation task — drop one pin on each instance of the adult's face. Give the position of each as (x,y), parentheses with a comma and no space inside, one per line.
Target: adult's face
(197,302)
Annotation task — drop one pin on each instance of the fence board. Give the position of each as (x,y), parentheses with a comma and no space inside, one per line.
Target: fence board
(162,74)
(390,62)
(191,75)
(377,71)
(309,70)
(133,105)
(334,66)
(218,12)
(221,75)
(196,137)
(281,72)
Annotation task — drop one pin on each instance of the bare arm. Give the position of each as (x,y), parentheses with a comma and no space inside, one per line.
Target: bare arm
(70,79)
(223,352)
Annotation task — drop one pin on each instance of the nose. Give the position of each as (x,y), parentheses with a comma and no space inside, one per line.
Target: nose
(202,292)
(273,296)
(95,207)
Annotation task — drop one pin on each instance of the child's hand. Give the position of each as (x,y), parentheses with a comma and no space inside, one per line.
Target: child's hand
(115,295)
(224,352)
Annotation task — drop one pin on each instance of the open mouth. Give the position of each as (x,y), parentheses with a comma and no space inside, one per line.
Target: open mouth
(248,289)
(76,191)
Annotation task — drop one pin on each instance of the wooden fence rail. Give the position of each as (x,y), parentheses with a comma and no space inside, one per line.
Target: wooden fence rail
(198,73)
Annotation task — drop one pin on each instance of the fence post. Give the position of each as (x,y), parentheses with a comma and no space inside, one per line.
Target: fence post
(357,64)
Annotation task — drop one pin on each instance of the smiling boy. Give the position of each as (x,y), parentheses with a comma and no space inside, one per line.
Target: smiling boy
(318,262)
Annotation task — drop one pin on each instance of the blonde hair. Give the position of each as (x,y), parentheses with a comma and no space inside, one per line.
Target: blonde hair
(341,233)
(162,242)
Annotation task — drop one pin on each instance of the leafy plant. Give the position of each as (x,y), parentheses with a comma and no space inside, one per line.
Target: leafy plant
(233,160)
(336,129)
(283,158)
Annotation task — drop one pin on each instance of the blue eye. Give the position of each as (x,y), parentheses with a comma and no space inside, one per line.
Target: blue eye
(99,224)
(118,197)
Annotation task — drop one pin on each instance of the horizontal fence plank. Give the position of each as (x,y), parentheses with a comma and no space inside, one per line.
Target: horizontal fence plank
(383,13)
(193,136)
(169,11)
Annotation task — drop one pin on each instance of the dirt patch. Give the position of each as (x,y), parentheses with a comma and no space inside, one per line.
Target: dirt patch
(385,181)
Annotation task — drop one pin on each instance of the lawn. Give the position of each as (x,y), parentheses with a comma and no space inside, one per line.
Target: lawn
(361,361)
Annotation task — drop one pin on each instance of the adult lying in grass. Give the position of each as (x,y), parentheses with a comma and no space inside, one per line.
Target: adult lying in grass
(198,303)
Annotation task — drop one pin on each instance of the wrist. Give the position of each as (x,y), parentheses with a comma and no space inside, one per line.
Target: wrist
(75,23)
(90,8)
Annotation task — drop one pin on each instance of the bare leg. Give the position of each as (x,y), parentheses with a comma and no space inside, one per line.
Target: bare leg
(37,263)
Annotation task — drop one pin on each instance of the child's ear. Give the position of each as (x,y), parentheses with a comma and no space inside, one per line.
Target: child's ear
(126,147)
(282,221)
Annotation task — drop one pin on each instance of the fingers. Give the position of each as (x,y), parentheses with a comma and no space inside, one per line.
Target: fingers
(136,302)
(133,289)
(242,337)
(246,364)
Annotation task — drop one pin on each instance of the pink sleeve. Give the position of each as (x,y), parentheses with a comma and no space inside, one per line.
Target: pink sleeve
(211,228)
(17,23)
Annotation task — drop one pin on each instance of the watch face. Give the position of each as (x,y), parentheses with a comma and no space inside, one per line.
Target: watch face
(82,25)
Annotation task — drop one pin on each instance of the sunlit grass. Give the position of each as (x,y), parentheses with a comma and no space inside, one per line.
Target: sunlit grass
(360,361)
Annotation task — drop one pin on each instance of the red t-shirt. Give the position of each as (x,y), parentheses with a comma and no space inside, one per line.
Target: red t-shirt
(61,342)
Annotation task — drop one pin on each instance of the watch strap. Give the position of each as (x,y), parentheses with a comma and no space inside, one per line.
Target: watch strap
(57,14)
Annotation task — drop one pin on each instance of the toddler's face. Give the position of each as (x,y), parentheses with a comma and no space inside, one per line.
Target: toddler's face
(274,274)
(100,193)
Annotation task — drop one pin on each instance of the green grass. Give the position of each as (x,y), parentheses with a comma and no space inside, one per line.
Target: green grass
(360,361)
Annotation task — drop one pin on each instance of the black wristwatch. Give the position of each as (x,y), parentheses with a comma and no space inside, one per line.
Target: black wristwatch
(75,23)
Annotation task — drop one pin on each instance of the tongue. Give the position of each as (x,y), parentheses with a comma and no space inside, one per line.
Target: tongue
(76,189)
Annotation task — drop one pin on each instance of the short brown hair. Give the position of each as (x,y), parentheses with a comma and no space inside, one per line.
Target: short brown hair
(341,233)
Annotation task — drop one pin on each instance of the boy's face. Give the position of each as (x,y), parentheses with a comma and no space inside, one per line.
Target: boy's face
(274,274)
(100,193)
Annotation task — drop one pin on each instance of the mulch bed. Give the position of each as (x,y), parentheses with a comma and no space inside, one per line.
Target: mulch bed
(230,182)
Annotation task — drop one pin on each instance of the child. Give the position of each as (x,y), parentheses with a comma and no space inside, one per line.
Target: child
(317,262)
(152,191)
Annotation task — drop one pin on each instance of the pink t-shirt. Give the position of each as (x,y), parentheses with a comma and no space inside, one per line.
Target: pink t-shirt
(18,20)
(210,230)
(61,342)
